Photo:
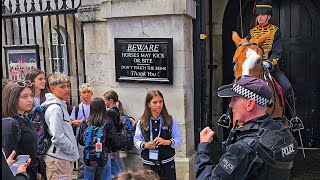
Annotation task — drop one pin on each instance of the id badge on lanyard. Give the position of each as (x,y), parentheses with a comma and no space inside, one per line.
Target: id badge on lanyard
(154,153)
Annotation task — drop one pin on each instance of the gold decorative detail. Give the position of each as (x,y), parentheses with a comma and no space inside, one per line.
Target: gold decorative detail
(275,61)
(256,32)
(263,6)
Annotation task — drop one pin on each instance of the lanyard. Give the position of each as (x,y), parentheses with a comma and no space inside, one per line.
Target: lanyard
(151,132)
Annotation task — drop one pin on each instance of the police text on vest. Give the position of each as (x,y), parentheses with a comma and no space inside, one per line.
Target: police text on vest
(287,150)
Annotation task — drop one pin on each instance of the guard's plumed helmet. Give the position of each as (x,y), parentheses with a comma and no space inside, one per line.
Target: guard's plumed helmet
(263,7)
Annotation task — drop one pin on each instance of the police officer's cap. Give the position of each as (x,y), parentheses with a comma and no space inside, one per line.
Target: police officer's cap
(248,87)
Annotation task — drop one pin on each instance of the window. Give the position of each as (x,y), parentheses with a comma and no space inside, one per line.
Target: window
(59,58)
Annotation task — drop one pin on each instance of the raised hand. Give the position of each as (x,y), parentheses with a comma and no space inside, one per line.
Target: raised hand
(206,135)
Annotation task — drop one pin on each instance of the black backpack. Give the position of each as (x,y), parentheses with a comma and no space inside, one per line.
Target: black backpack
(126,134)
(43,136)
(96,154)
(76,112)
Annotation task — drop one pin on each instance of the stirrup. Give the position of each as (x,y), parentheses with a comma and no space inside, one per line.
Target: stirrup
(295,124)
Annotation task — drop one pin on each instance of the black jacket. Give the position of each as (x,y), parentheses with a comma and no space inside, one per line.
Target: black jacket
(20,135)
(165,152)
(114,114)
(240,161)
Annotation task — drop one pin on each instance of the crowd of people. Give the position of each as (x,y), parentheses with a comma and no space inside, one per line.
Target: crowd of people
(88,133)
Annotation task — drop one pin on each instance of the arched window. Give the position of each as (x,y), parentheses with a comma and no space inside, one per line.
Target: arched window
(59,58)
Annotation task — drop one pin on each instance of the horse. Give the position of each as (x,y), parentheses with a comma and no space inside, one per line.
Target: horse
(248,60)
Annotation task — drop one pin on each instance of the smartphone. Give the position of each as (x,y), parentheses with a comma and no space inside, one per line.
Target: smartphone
(21,159)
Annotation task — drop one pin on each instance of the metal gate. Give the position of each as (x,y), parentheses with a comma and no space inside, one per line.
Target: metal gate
(51,28)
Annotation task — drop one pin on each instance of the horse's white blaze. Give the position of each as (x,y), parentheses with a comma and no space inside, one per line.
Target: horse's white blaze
(250,61)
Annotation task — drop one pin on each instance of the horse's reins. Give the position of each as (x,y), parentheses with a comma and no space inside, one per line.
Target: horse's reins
(274,90)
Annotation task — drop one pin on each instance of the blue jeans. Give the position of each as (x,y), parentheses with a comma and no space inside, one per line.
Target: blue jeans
(90,171)
(115,165)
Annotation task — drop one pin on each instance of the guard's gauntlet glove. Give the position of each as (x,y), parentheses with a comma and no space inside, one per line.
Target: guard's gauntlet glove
(267,65)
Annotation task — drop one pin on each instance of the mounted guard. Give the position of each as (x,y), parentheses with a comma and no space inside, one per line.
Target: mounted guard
(258,56)
(272,47)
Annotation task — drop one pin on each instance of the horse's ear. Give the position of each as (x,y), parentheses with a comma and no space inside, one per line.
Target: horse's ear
(263,38)
(235,37)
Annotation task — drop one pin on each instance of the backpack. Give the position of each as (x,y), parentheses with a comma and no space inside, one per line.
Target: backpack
(96,154)
(127,119)
(126,134)
(43,136)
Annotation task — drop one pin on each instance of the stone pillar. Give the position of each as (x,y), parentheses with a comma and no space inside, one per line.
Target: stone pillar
(104,20)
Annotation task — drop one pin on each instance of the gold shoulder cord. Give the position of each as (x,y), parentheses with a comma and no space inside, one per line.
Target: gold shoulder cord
(267,45)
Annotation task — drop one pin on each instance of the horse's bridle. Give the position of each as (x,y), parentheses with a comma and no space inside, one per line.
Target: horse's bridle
(251,43)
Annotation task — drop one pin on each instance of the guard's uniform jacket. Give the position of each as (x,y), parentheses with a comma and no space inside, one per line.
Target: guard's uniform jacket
(272,49)
(243,158)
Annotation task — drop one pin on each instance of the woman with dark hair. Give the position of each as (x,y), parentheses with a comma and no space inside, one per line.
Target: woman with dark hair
(37,78)
(98,118)
(115,110)
(157,135)
(17,132)
(114,107)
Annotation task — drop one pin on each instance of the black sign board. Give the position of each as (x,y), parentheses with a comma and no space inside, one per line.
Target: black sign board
(143,59)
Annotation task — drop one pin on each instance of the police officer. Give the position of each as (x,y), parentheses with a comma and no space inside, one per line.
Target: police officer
(272,46)
(262,148)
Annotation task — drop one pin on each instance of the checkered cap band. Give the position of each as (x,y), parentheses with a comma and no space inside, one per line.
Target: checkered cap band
(250,95)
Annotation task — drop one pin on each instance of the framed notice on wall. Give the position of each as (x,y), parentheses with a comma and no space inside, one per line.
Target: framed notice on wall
(20,59)
(144,59)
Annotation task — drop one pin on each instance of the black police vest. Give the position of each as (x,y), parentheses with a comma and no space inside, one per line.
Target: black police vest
(277,148)
(165,152)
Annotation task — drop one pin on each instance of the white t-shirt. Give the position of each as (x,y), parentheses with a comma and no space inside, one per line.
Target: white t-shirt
(84,112)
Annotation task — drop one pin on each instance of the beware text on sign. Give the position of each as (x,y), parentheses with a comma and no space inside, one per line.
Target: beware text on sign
(143,59)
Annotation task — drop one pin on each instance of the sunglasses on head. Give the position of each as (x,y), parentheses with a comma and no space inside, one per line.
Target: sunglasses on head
(23,83)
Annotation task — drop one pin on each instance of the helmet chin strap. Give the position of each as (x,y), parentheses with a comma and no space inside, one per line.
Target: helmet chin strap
(265,21)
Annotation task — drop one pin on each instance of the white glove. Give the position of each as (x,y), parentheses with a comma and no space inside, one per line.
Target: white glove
(267,65)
